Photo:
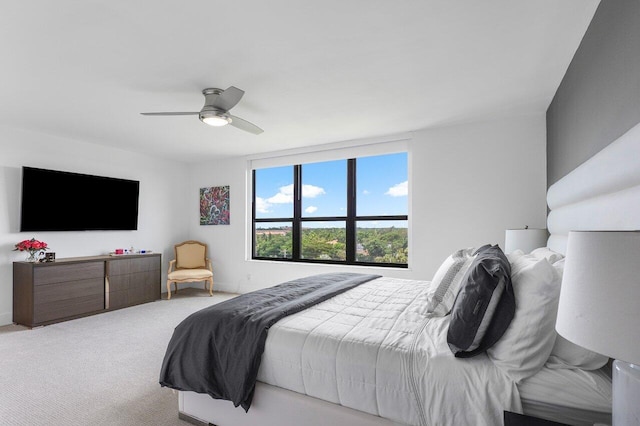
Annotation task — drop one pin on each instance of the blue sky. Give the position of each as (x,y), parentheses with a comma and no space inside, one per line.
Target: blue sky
(382,188)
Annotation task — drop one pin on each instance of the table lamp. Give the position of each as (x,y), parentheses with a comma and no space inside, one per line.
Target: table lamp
(526,239)
(599,308)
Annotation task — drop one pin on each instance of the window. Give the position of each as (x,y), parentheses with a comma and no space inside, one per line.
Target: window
(352,211)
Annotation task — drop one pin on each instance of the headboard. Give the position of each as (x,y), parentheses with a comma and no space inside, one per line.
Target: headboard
(601,194)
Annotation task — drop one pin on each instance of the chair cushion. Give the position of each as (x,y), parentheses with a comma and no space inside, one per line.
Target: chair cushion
(190,274)
(190,256)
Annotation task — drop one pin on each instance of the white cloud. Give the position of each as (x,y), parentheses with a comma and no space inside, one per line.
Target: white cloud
(310,191)
(366,192)
(399,189)
(285,194)
(262,206)
(311,209)
(281,198)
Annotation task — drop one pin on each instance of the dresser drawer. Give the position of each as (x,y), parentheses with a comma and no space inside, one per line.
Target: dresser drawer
(43,275)
(60,300)
(131,266)
(134,288)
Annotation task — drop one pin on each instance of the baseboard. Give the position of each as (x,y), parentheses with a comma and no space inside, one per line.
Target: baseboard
(6,318)
(217,286)
(225,288)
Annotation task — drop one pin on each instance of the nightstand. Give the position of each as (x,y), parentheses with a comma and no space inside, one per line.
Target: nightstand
(515,419)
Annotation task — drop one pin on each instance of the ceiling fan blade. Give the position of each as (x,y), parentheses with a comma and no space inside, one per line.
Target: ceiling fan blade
(228,99)
(170,113)
(245,125)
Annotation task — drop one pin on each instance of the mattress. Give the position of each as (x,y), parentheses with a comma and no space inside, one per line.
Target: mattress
(377,350)
(571,396)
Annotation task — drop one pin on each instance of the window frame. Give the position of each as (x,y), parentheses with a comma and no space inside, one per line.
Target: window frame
(350,219)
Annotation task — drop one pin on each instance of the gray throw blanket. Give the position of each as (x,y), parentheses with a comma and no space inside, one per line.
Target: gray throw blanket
(218,350)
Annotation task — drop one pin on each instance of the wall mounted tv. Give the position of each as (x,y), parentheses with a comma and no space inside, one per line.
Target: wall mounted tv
(62,201)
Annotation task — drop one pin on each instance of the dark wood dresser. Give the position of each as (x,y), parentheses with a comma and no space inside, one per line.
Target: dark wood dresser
(46,293)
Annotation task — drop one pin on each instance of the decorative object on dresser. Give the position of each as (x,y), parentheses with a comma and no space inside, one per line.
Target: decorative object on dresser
(34,247)
(526,239)
(190,264)
(50,292)
(598,308)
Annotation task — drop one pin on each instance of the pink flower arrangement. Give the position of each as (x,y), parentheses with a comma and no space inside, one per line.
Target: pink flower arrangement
(33,246)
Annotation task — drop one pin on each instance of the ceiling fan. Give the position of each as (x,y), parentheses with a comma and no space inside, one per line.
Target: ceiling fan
(215,112)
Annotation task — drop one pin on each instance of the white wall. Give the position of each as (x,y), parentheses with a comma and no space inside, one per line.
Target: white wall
(468,184)
(163,219)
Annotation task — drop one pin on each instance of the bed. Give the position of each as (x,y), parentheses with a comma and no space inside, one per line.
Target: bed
(375,353)
(378,353)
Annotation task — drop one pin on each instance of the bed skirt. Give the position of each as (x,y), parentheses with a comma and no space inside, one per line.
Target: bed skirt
(272,406)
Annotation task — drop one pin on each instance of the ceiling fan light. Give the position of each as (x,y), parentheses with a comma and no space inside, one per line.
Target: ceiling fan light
(216,120)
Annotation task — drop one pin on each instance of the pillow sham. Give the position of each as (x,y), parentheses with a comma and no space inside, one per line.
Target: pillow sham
(484,306)
(559,267)
(566,354)
(527,343)
(448,279)
(547,253)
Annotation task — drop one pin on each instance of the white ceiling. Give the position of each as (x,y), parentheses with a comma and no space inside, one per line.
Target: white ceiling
(313,71)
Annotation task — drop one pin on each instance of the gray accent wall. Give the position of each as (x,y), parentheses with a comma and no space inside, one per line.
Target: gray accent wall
(599,97)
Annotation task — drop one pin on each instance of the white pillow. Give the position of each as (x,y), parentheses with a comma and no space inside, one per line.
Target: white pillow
(566,354)
(559,267)
(527,343)
(547,253)
(448,280)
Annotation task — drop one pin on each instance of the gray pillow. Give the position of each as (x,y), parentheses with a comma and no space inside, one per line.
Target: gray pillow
(484,306)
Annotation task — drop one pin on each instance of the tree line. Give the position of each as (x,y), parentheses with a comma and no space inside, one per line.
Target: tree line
(379,245)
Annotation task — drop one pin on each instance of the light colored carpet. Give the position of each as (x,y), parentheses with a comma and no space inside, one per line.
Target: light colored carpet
(98,370)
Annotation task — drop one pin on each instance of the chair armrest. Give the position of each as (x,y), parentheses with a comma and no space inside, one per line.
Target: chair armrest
(209,264)
(171,263)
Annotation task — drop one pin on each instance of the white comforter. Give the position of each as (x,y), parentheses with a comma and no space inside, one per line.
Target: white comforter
(376,349)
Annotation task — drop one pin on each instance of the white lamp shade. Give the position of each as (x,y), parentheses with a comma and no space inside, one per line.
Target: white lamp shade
(524,239)
(599,306)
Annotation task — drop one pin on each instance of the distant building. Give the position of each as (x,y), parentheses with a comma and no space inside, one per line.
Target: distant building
(360,249)
(275,231)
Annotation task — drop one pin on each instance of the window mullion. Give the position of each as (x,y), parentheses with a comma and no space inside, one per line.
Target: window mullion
(253,214)
(350,225)
(297,212)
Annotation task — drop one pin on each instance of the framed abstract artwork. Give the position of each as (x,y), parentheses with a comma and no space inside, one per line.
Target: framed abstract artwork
(214,205)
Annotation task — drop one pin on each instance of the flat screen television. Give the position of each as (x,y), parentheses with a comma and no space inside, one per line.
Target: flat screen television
(62,201)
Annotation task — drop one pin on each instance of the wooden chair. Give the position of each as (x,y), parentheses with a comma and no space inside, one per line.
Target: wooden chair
(191,264)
